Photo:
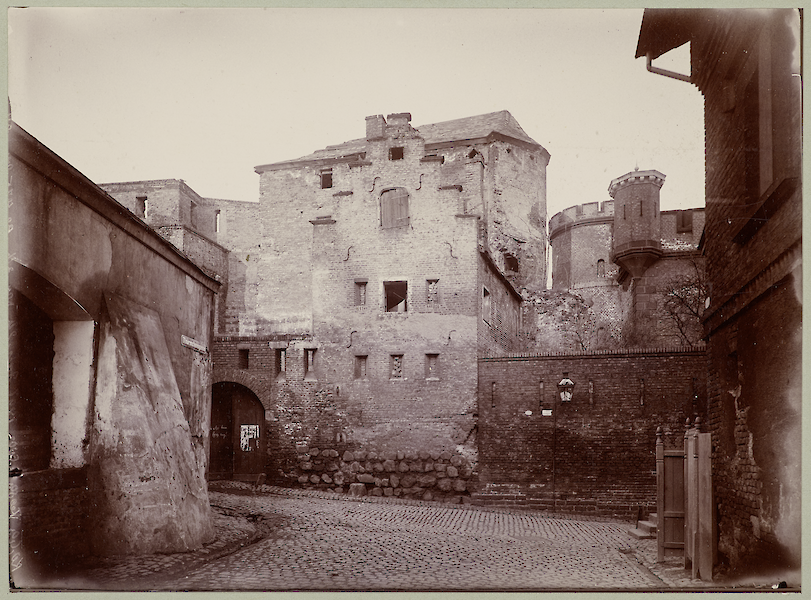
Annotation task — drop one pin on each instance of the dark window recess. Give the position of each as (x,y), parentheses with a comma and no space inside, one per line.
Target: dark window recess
(140,207)
(396,153)
(326,179)
(510,262)
(360,293)
(309,363)
(684,221)
(281,361)
(601,268)
(432,366)
(243,358)
(396,366)
(394,208)
(360,367)
(396,296)
(486,305)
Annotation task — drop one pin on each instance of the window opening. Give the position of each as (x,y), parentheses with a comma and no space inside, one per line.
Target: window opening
(326,179)
(684,221)
(360,367)
(396,153)
(360,293)
(396,296)
(432,366)
(309,363)
(486,305)
(140,208)
(396,366)
(433,292)
(394,208)
(510,262)
(216,221)
(281,361)
(243,358)
(601,268)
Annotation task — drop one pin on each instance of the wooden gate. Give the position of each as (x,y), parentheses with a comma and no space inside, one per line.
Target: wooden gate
(684,501)
(669,499)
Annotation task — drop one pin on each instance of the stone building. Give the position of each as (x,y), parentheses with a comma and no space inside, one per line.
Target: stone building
(634,273)
(746,63)
(360,290)
(110,329)
(377,271)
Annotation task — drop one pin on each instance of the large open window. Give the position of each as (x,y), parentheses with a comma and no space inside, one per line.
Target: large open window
(396,296)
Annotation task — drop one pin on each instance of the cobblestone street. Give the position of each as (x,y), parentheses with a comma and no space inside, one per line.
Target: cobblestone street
(278,539)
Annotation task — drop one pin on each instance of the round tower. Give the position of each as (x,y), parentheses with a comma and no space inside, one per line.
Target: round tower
(637,226)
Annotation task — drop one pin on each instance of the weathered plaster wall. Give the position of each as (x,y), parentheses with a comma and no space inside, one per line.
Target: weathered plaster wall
(68,235)
(150,492)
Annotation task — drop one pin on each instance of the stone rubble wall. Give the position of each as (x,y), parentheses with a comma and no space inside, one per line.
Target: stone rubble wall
(440,476)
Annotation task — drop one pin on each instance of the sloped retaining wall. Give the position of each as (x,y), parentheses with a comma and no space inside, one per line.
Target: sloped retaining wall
(439,476)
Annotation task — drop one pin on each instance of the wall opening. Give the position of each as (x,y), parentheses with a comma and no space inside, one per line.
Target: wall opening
(326,179)
(396,153)
(396,293)
(244,358)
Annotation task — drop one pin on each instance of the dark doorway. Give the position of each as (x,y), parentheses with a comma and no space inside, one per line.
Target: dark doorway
(238,436)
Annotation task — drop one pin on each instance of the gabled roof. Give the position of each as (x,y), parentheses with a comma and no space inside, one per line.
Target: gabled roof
(500,123)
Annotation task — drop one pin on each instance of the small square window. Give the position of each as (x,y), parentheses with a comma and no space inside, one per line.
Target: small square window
(432,366)
(396,153)
(243,358)
(510,262)
(360,293)
(396,296)
(360,367)
(326,179)
(684,221)
(396,366)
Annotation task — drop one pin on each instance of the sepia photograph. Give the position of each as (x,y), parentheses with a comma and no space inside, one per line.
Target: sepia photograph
(451,298)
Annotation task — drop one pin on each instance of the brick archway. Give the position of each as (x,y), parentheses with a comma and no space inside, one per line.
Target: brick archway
(255,384)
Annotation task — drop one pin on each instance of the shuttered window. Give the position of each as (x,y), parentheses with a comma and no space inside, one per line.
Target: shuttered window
(394,208)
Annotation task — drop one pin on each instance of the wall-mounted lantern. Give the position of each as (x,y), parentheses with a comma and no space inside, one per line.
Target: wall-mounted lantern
(566,387)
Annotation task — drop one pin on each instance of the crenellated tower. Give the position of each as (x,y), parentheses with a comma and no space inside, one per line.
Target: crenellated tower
(637,225)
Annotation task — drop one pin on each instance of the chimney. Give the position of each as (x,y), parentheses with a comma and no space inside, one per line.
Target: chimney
(375,127)
(399,119)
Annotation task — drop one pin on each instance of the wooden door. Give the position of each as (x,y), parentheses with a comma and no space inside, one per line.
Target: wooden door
(247,434)
(670,500)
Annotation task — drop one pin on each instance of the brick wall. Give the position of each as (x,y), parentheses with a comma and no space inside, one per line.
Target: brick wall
(48,523)
(753,253)
(596,452)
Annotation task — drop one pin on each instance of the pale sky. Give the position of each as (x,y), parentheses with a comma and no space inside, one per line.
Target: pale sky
(205,95)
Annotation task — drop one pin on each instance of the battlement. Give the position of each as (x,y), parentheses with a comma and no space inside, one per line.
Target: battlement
(588,213)
(636,177)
